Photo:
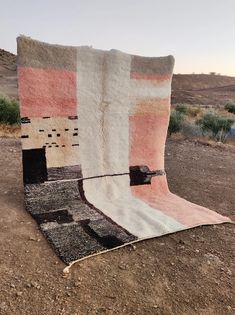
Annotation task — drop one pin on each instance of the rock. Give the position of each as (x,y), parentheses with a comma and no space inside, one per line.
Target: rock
(31,238)
(19,293)
(110,296)
(3,306)
(77,284)
(213,258)
(35,285)
(101,310)
(133,246)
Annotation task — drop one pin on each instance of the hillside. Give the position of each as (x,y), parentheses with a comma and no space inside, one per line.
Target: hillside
(8,78)
(203,89)
(200,89)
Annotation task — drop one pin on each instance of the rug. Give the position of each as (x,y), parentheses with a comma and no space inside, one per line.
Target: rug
(94,126)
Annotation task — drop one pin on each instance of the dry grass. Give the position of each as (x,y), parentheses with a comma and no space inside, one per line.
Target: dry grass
(193,111)
(228,146)
(10,131)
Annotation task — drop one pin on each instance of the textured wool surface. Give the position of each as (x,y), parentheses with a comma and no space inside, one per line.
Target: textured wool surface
(94,126)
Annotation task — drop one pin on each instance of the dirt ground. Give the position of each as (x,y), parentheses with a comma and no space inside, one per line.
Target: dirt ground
(190,272)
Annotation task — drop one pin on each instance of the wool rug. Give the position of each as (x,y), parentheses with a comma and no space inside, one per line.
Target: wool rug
(94,126)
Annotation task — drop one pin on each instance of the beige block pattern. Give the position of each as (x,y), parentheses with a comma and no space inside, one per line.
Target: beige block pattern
(66,156)
(58,135)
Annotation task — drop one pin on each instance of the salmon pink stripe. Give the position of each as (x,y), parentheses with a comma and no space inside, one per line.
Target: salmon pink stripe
(151,105)
(47,92)
(147,139)
(158,196)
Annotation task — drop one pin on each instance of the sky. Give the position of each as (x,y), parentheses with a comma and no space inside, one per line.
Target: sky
(200,34)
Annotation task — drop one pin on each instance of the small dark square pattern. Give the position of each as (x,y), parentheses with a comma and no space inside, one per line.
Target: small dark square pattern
(34,166)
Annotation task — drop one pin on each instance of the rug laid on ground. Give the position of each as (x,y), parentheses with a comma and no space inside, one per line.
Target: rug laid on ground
(94,126)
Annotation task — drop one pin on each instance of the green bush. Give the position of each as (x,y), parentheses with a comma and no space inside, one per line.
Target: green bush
(219,127)
(9,111)
(191,130)
(176,122)
(181,109)
(230,107)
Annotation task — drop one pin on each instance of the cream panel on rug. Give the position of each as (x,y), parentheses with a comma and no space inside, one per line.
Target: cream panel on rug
(115,108)
(115,200)
(150,88)
(59,137)
(90,64)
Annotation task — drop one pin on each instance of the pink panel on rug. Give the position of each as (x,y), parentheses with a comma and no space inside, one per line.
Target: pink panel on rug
(147,138)
(148,133)
(158,196)
(47,92)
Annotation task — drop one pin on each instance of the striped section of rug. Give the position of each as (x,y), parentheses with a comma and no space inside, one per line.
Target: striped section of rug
(94,126)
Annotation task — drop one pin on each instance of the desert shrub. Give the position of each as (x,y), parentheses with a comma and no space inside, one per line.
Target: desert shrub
(216,126)
(181,109)
(9,111)
(176,122)
(230,107)
(194,111)
(191,130)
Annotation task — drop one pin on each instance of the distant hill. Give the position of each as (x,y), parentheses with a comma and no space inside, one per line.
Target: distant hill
(202,89)
(8,78)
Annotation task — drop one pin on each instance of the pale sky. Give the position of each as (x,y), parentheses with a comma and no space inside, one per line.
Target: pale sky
(199,33)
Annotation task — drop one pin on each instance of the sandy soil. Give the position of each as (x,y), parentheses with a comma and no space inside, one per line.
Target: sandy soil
(190,272)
